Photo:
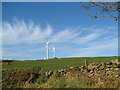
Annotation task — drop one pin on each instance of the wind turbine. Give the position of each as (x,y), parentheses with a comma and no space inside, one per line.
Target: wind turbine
(47,49)
(54,52)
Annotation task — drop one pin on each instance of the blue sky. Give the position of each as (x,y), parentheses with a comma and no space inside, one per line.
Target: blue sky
(69,28)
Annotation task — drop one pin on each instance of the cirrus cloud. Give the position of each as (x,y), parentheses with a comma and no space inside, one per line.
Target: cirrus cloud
(19,36)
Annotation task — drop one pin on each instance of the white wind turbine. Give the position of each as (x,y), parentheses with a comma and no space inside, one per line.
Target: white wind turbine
(47,49)
(54,52)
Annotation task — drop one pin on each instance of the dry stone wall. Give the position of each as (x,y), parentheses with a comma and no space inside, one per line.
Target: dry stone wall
(103,74)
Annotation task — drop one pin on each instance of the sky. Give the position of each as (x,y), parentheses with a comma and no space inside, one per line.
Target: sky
(26,26)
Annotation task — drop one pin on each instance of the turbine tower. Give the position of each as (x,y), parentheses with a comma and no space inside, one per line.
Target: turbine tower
(47,49)
(54,52)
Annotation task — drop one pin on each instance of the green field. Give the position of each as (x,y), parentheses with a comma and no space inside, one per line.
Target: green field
(57,63)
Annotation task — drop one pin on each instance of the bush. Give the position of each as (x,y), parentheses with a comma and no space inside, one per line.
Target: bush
(40,80)
(58,82)
(18,77)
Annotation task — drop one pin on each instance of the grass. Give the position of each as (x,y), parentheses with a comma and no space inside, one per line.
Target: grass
(28,77)
(57,63)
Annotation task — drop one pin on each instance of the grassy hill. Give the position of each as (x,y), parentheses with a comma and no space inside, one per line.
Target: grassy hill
(57,63)
(58,73)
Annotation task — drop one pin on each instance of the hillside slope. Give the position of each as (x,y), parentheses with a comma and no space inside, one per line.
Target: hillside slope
(57,63)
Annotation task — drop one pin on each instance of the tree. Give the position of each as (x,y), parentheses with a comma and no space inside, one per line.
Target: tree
(103,9)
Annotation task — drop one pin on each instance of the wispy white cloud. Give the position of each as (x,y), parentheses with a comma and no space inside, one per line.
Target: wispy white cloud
(75,41)
(108,47)
(67,35)
(86,38)
(20,32)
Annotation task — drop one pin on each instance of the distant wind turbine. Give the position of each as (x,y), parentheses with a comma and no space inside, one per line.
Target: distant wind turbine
(47,49)
(54,52)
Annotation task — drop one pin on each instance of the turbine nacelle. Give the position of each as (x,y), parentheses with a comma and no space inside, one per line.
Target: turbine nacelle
(47,42)
(53,49)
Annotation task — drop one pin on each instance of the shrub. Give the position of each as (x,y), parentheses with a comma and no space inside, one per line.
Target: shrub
(56,82)
(18,77)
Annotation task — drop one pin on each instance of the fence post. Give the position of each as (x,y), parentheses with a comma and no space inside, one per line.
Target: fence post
(86,63)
